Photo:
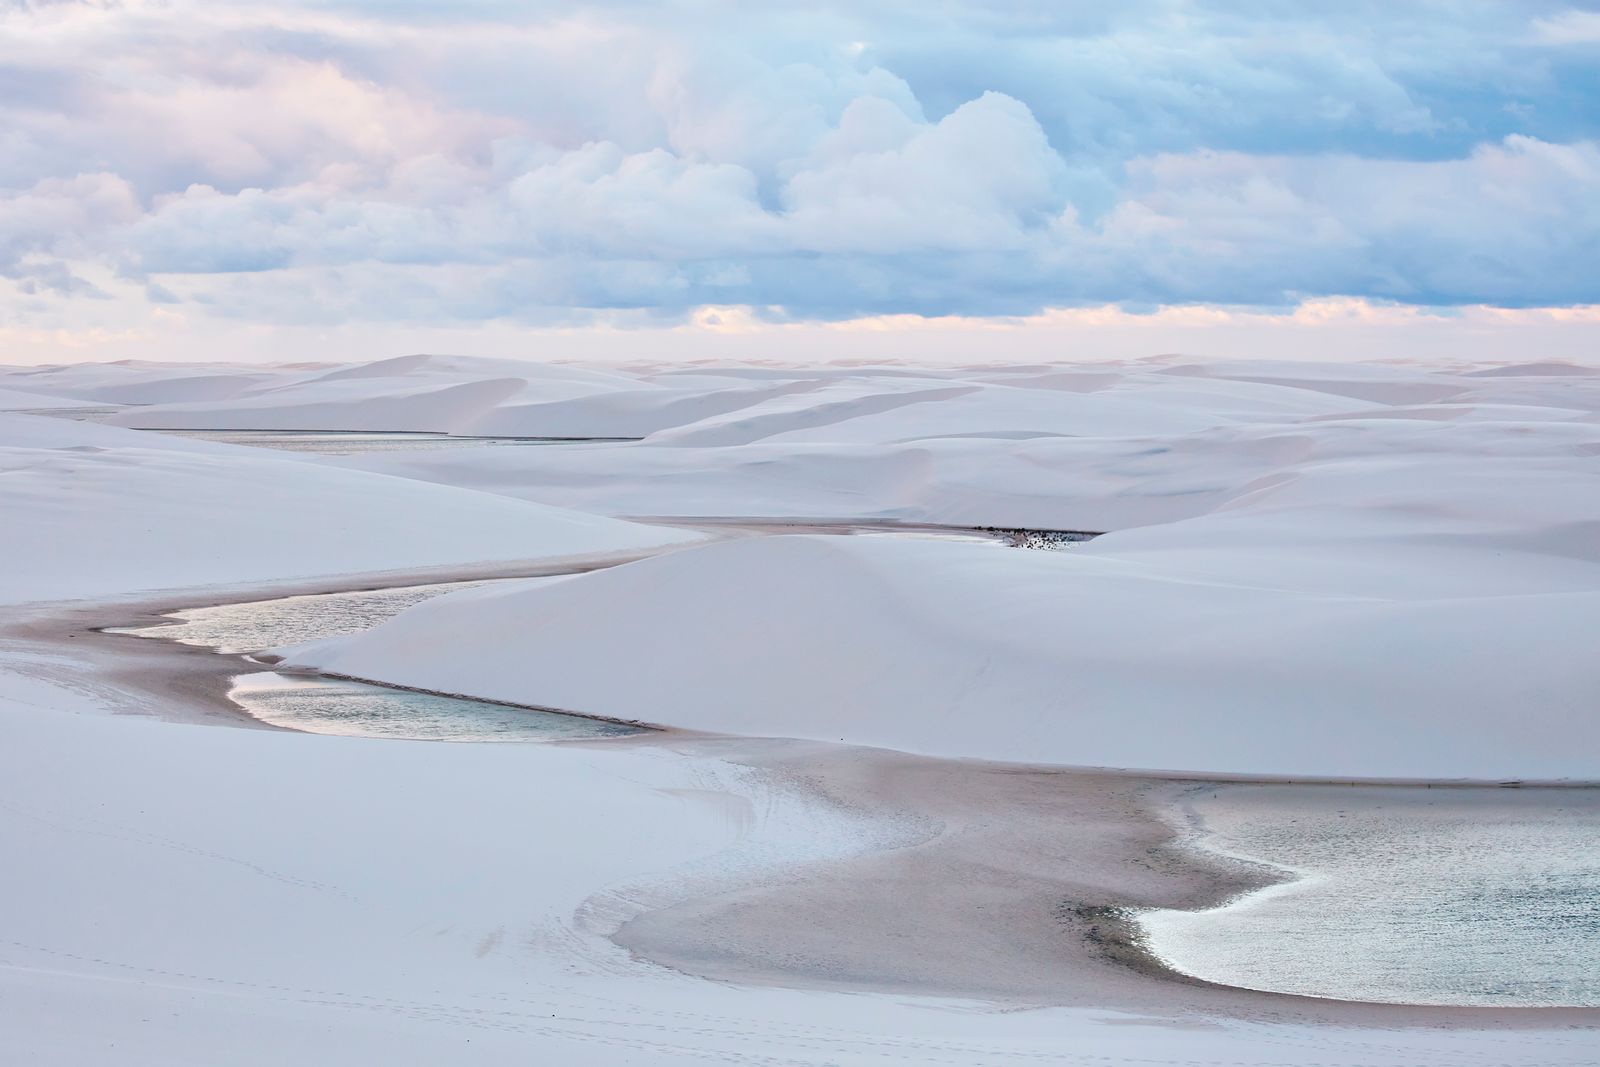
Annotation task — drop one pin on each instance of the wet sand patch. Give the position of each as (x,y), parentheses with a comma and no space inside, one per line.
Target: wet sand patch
(1002,883)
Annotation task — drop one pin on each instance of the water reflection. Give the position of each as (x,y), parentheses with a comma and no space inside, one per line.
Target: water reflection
(353,709)
(1418,896)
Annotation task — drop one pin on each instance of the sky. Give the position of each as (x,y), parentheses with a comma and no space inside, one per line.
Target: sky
(363,178)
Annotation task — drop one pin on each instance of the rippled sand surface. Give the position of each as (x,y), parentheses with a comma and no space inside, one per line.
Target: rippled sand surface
(263,624)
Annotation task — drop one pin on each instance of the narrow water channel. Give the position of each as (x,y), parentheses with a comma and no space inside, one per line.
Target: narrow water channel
(358,442)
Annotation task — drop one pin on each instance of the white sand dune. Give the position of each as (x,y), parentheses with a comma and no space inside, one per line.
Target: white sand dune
(723,406)
(1096,483)
(100,511)
(631,412)
(1002,411)
(439,394)
(142,382)
(1363,595)
(832,404)
(1092,658)
(21,400)
(346,404)
(1345,571)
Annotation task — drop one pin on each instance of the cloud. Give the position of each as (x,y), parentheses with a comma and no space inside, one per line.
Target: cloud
(62,217)
(977,180)
(393,161)
(1568,28)
(969,215)
(1513,223)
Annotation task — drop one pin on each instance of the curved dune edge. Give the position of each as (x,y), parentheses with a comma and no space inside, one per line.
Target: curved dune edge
(1087,657)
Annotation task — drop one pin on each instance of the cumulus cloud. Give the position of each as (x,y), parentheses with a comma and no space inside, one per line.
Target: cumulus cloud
(345,161)
(1512,224)
(977,180)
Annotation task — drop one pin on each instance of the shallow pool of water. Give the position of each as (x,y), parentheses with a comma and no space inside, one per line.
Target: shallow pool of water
(355,442)
(337,706)
(1406,895)
(354,709)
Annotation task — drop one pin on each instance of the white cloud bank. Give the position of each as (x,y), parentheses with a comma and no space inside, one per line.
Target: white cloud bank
(365,163)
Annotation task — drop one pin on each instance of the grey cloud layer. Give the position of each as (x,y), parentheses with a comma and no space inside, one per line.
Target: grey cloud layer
(502,163)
